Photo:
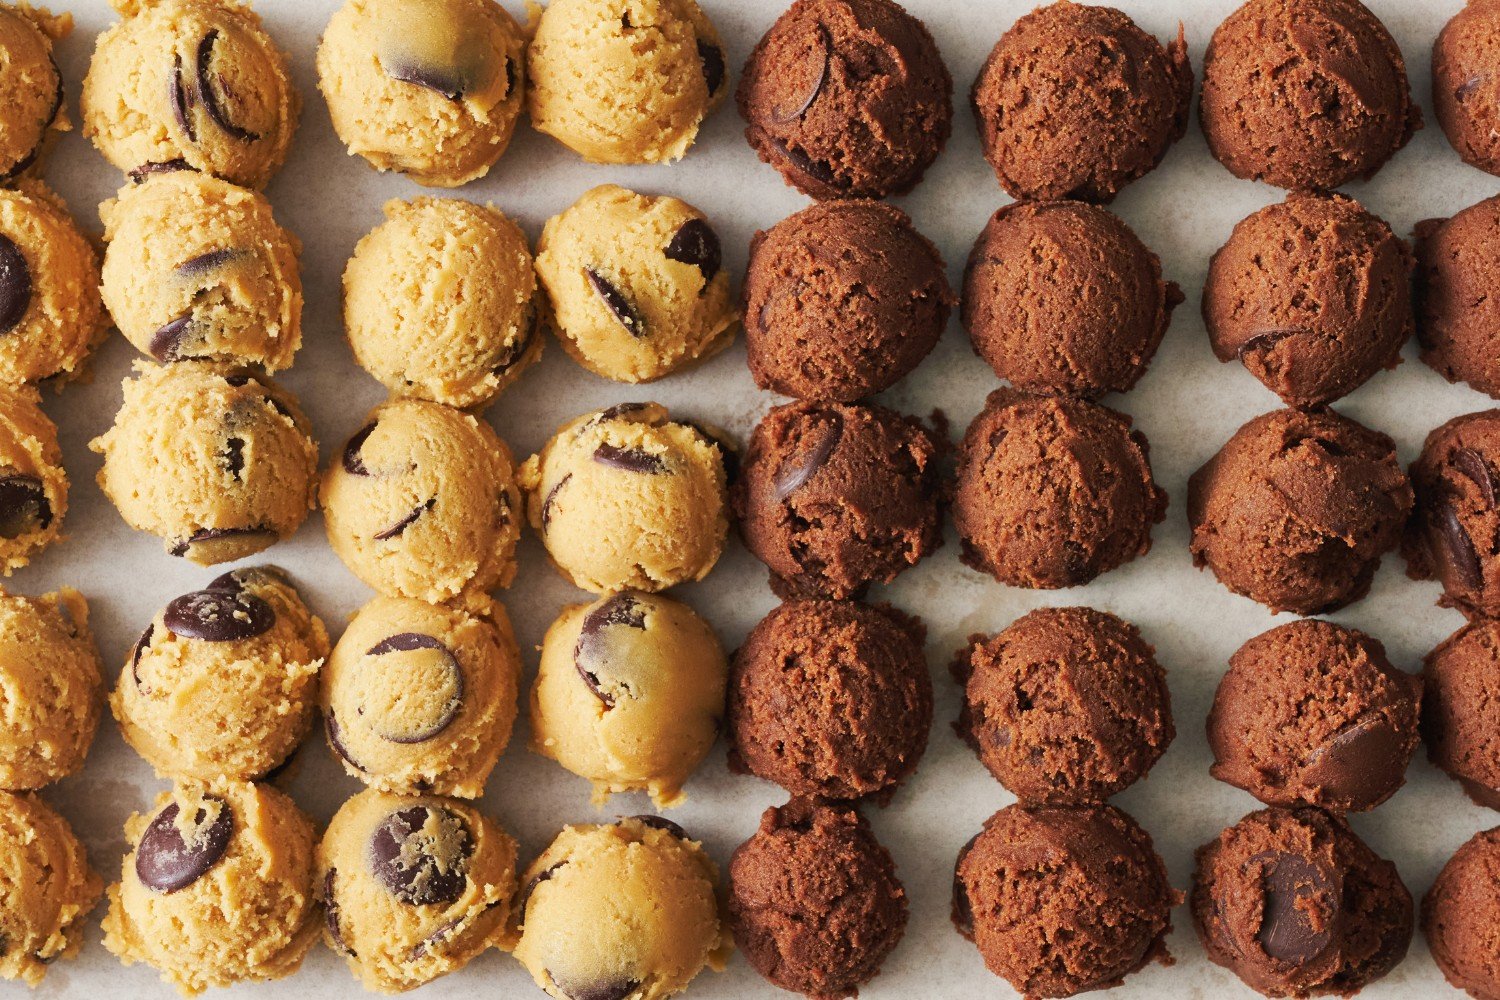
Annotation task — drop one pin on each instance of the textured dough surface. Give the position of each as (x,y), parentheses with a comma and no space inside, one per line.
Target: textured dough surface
(46,888)
(1451,536)
(49,688)
(33,482)
(32,85)
(1457,317)
(1460,914)
(1463,58)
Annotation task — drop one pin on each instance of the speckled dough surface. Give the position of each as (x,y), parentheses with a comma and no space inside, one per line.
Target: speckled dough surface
(50,673)
(46,888)
(32,85)
(33,483)
(1452,537)
(1457,317)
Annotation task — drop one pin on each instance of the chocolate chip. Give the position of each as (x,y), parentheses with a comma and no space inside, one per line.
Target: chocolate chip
(617,303)
(233,456)
(24,506)
(166,863)
(444,80)
(728,454)
(635,460)
(438,934)
(525,896)
(204,263)
(135,655)
(696,244)
(963,909)
(15,285)
(507,358)
(790,480)
(408,642)
(818,170)
(219,616)
(180,97)
(331,914)
(209,83)
(551,500)
(712,58)
(208,536)
(140,173)
(1264,340)
(331,726)
(395,530)
(354,463)
(166,342)
(618,410)
(816,76)
(591,654)
(510,77)
(1291,929)
(421,855)
(1459,547)
(615,990)
(1359,762)
(29,157)
(663,824)
(1472,464)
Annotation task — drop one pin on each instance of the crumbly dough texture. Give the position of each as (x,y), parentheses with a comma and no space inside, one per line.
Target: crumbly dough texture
(1461,709)
(1460,913)
(49,688)
(1457,317)
(1451,536)
(46,888)
(1463,59)
(33,482)
(32,85)
(636,284)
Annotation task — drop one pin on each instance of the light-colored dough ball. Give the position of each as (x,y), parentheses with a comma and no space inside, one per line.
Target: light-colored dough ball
(49,688)
(46,888)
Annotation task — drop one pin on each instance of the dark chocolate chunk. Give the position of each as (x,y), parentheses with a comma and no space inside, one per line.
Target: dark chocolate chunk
(140,173)
(331,914)
(1357,762)
(622,308)
(166,343)
(354,463)
(697,245)
(551,499)
(135,655)
(444,80)
(591,654)
(237,579)
(1264,340)
(615,990)
(400,526)
(415,869)
(525,895)
(1472,464)
(516,350)
(790,480)
(618,410)
(209,84)
(963,910)
(1459,547)
(728,454)
(219,616)
(406,642)
(166,863)
(662,823)
(634,460)
(208,536)
(24,506)
(1290,930)
(818,170)
(205,263)
(331,726)
(816,74)
(15,285)
(233,456)
(510,77)
(712,58)
(180,97)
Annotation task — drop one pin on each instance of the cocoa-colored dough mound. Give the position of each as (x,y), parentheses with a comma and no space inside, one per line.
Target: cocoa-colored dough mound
(1066,706)
(833,498)
(1295,904)
(1053,492)
(1454,536)
(1312,712)
(1063,297)
(1076,101)
(814,900)
(1458,316)
(1312,296)
(1305,94)
(842,300)
(1461,917)
(830,698)
(847,98)
(1465,74)
(1063,899)
(1461,709)
(1296,510)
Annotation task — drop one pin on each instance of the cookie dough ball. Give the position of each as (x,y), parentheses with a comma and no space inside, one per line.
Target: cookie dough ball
(194,84)
(1066,706)
(1063,297)
(1463,68)
(1460,913)
(428,89)
(1063,899)
(1450,538)
(420,698)
(49,671)
(217,462)
(635,283)
(32,84)
(830,699)
(847,98)
(1461,709)
(626,498)
(422,503)
(33,483)
(629,694)
(217,887)
(1314,712)
(624,81)
(1052,492)
(1295,904)
(1457,318)
(628,909)
(46,888)
(842,300)
(1296,510)
(1076,101)
(413,888)
(224,680)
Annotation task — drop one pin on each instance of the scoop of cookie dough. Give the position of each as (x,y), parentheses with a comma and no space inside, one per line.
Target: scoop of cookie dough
(629,694)
(623,910)
(626,498)
(1463,92)
(1461,709)
(1451,537)
(440,301)
(217,887)
(413,888)
(422,502)
(46,888)
(33,483)
(197,268)
(420,698)
(49,671)
(1460,914)
(636,284)
(624,81)
(215,461)
(1457,316)
(32,85)
(429,88)
(194,84)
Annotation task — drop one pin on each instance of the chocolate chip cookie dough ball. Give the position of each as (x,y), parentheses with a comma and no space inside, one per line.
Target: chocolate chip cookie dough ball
(847,98)
(627,498)
(49,670)
(624,81)
(1075,101)
(842,300)
(428,89)
(1295,904)
(1460,913)
(33,483)
(413,888)
(1451,537)
(217,887)
(646,894)
(629,694)
(1457,318)
(32,85)
(422,502)
(46,888)
(420,698)
(1461,709)
(1464,68)
(635,283)
(217,462)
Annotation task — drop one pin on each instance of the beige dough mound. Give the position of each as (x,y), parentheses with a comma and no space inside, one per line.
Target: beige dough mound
(192,84)
(439,301)
(32,85)
(33,483)
(428,88)
(198,269)
(636,284)
(46,888)
(49,688)
(624,81)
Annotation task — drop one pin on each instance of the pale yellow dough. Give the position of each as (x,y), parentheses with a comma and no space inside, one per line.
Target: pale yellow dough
(46,888)
(49,688)
(33,87)
(33,483)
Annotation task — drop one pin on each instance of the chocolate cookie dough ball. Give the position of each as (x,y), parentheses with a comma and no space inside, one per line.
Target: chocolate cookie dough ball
(33,482)
(1460,913)
(1063,899)
(626,498)
(1312,296)
(217,887)
(428,89)
(830,699)
(412,888)
(46,888)
(1305,94)
(629,694)
(1461,709)
(842,300)
(49,671)
(847,98)
(194,84)
(1296,510)
(198,268)
(217,462)
(422,502)
(1295,904)
(1451,536)
(814,900)
(32,84)
(1053,492)
(1063,297)
(1457,317)
(624,81)
(647,895)
(1464,67)
(635,283)
(440,301)
(1075,101)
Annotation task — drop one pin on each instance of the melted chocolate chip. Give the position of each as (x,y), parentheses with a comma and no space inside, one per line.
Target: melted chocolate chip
(1472,464)
(395,530)
(1359,763)
(1264,340)
(233,456)
(24,506)
(219,616)
(525,897)
(408,859)
(697,245)
(663,824)
(209,85)
(140,173)
(180,97)
(331,727)
(1290,931)
(15,285)
(1459,547)
(166,863)
(591,653)
(331,914)
(634,460)
(712,58)
(217,534)
(407,642)
(816,76)
(166,343)
(354,463)
(790,480)
(617,303)
(551,499)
